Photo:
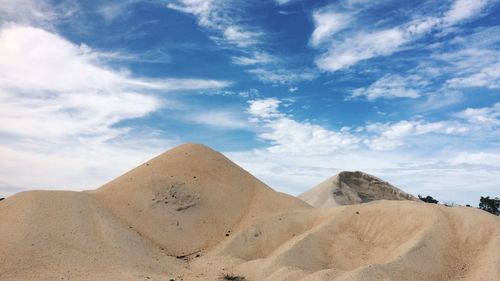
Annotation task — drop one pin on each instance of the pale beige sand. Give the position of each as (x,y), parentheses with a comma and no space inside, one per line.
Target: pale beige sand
(348,188)
(191,214)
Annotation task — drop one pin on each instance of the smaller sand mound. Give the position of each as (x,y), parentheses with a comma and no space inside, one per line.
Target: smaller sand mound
(348,188)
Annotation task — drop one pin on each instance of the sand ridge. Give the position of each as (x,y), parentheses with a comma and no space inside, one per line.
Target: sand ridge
(192,214)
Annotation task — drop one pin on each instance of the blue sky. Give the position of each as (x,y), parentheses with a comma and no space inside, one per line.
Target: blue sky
(293,91)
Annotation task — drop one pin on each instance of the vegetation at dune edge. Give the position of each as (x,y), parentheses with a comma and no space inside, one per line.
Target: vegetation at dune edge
(490,205)
(233,277)
(428,199)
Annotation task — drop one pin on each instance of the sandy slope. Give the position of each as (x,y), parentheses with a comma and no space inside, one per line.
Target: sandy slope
(191,214)
(348,188)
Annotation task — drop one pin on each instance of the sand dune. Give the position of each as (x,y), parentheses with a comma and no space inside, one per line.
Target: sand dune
(192,214)
(348,188)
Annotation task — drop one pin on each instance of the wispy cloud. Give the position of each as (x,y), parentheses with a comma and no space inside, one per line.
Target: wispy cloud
(389,86)
(284,2)
(37,12)
(472,123)
(227,25)
(347,50)
(282,76)
(219,17)
(473,67)
(112,10)
(463,10)
(327,23)
(484,117)
(287,135)
(476,159)
(219,119)
(360,47)
(255,58)
(389,136)
(240,37)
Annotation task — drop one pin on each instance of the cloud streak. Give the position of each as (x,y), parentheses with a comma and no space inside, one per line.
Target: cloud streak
(216,15)
(287,135)
(389,87)
(350,49)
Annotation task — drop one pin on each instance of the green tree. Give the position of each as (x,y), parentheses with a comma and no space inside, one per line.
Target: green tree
(490,205)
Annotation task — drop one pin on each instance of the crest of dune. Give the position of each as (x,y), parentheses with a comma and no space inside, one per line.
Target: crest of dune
(192,214)
(348,188)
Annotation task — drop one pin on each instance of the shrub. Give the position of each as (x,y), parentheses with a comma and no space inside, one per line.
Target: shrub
(490,205)
(233,277)
(428,199)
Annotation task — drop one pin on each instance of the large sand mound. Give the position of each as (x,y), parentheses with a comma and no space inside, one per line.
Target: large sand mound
(187,199)
(191,214)
(348,188)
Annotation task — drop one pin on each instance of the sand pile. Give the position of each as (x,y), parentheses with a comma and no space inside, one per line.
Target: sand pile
(187,199)
(348,188)
(191,214)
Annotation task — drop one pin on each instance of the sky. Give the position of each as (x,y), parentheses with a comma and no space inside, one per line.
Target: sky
(294,91)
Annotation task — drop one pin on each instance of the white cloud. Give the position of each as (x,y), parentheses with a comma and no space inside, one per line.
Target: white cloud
(472,62)
(55,64)
(360,47)
(60,107)
(228,26)
(217,15)
(255,58)
(485,117)
(283,76)
(476,158)
(389,86)
(487,77)
(224,20)
(357,46)
(463,9)
(264,109)
(293,137)
(389,136)
(55,87)
(221,119)
(409,170)
(438,100)
(204,10)
(297,158)
(39,12)
(240,37)
(70,163)
(283,2)
(112,10)
(476,66)
(327,23)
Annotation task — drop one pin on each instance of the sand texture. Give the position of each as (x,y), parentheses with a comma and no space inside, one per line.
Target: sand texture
(192,214)
(348,188)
